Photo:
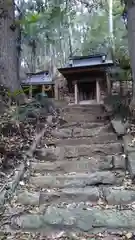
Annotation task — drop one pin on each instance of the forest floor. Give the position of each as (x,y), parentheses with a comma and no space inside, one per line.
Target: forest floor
(70,177)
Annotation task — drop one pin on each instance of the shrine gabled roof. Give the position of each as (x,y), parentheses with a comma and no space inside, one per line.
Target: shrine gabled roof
(38,78)
(82,66)
(86,68)
(86,63)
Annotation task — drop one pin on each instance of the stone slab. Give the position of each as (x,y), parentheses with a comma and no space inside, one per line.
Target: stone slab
(85,150)
(119,127)
(118,196)
(82,165)
(95,139)
(127,139)
(28,198)
(76,219)
(80,132)
(49,154)
(84,125)
(69,151)
(84,109)
(131,164)
(119,161)
(68,195)
(62,133)
(85,117)
(77,180)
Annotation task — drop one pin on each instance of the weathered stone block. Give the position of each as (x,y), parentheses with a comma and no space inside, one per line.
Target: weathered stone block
(98,135)
(51,154)
(89,193)
(84,109)
(83,164)
(84,117)
(76,219)
(71,195)
(27,198)
(2,197)
(84,125)
(62,133)
(119,127)
(80,132)
(43,166)
(92,125)
(106,163)
(114,219)
(118,196)
(119,162)
(128,146)
(85,150)
(120,175)
(103,138)
(28,221)
(77,180)
(131,164)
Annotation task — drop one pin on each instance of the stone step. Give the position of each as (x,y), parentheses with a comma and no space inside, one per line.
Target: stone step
(84,108)
(84,164)
(66,152)
(80,219)
(78,132)
(110,196)
(85,117)
(119,127)
(58,197)
(97,139)
(77,180)
(84,125)
(86,150)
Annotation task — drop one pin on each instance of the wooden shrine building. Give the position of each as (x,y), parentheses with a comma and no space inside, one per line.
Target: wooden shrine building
(40,82)
(87,78)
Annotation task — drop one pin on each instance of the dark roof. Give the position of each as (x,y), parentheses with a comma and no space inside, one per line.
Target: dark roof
(86,57)
(85,68)
(38,79)
(78,72)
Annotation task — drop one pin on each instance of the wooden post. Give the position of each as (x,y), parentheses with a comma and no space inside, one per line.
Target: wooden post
(43,89)
(30,92)
(56,90)
(97,91)
(76,92)
(108,81)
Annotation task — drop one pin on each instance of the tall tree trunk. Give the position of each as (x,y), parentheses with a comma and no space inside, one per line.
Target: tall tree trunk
(70,37)
(8,49)
(110,3)
(19,42)
(33,56)
(131,39)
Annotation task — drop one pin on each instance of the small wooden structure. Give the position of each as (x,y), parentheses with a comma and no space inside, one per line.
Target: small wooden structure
(87,78)
(39,82)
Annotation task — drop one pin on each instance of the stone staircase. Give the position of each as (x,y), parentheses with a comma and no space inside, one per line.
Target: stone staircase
(78,187)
